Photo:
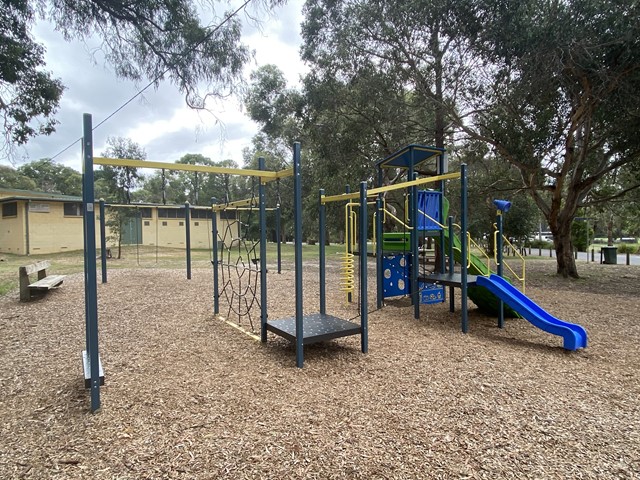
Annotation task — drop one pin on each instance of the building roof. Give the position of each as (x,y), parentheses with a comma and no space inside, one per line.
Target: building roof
(410,156)
(13,194)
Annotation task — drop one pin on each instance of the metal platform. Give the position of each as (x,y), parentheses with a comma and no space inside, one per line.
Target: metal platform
(317,328)
(448,279)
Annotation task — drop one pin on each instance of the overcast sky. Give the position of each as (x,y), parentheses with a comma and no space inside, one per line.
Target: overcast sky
(160,122)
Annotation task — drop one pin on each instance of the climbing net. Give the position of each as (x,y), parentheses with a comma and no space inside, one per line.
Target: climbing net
(240,270)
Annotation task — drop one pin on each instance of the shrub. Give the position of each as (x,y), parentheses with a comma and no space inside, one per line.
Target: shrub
(627,248)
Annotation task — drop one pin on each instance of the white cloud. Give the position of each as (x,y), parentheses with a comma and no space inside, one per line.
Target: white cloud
(159,121)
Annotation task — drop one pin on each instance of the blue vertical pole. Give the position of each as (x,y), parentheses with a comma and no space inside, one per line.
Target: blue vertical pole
(322,236)
(214,258)
(415,263)
(103,242)
(463,234)
(91,288)
(278,239)
(364,221)
(441,186)
(411,260)
(263,255)
(187,229)
(452,262)
(379,238)
(297,216)
(500,268)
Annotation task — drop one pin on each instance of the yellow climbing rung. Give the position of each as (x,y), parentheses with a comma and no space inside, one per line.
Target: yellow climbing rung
(347,277)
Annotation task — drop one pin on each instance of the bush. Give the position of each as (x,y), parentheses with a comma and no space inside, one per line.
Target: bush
(541,244)
(627,248)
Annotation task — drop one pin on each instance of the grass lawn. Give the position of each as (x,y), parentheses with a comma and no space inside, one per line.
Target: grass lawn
(138,257)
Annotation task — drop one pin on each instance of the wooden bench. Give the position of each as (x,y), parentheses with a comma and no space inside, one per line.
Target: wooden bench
(44,283)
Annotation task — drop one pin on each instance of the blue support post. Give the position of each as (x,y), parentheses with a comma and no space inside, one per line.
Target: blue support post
(441,256)
(263,255)
(214,258)
(414,262)
(278,239)
(464,253)
(103,243)
(500,267)
(187,229)
(452,262)
(379,237)
(322,236)
(364,221)
(91,288)
(297,216)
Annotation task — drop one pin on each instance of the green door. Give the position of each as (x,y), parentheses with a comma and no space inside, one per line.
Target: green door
(132,231)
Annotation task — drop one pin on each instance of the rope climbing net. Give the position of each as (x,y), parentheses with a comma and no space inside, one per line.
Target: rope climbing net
(240,269)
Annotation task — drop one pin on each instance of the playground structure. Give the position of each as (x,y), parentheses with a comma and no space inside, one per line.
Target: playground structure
(473,277)
(91,359)
(306,329)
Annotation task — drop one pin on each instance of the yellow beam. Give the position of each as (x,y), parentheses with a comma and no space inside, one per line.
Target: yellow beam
(266,176)
(238,203)
(398,186)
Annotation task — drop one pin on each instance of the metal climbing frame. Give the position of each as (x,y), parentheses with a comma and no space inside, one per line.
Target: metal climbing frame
(92,364)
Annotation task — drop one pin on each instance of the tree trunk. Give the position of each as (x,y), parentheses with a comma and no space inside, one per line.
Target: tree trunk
(564,253)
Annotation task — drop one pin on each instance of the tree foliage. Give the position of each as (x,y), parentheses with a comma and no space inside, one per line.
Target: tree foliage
(10,178)
(551,87)
(119,183)
(29,96)
(156,40)
(50,176)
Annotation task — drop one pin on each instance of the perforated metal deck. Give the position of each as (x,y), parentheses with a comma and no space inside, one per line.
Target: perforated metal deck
(317,328)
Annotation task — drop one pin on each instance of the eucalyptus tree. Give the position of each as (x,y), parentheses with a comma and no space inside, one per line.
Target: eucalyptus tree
(119,183)
(555,92)
(195,45)
(50,176)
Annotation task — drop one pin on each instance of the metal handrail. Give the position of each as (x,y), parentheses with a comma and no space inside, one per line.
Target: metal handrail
(470,241)
(506,264)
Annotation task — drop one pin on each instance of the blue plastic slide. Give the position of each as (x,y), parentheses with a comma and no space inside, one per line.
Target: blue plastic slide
(574,336)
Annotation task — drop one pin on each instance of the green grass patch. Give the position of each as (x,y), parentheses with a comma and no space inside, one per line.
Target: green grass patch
(142,257)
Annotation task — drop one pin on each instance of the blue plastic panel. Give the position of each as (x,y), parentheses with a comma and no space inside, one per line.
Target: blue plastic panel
(395,275)
(431,293)
(429,203)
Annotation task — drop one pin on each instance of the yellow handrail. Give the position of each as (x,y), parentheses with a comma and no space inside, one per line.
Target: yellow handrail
(469,241)
(495,256)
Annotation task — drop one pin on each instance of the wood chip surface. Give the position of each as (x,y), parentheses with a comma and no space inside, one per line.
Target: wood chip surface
(188,396)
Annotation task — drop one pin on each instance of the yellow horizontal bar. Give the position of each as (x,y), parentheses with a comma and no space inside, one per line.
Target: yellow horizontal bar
(238,203)
(398,186)
(146,205)
(413,183)
(186,167)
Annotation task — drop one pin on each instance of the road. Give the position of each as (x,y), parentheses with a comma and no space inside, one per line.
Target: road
(582,256)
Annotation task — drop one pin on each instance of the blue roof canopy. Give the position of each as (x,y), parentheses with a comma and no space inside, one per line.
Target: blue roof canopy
(410,156)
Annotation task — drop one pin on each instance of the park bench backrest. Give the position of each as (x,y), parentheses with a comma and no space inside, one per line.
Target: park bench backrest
(40,268)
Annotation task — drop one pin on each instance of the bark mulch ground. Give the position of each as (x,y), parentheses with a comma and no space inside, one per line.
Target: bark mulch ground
(187,396)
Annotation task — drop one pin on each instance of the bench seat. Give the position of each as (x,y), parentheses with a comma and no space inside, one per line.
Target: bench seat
(48,282)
